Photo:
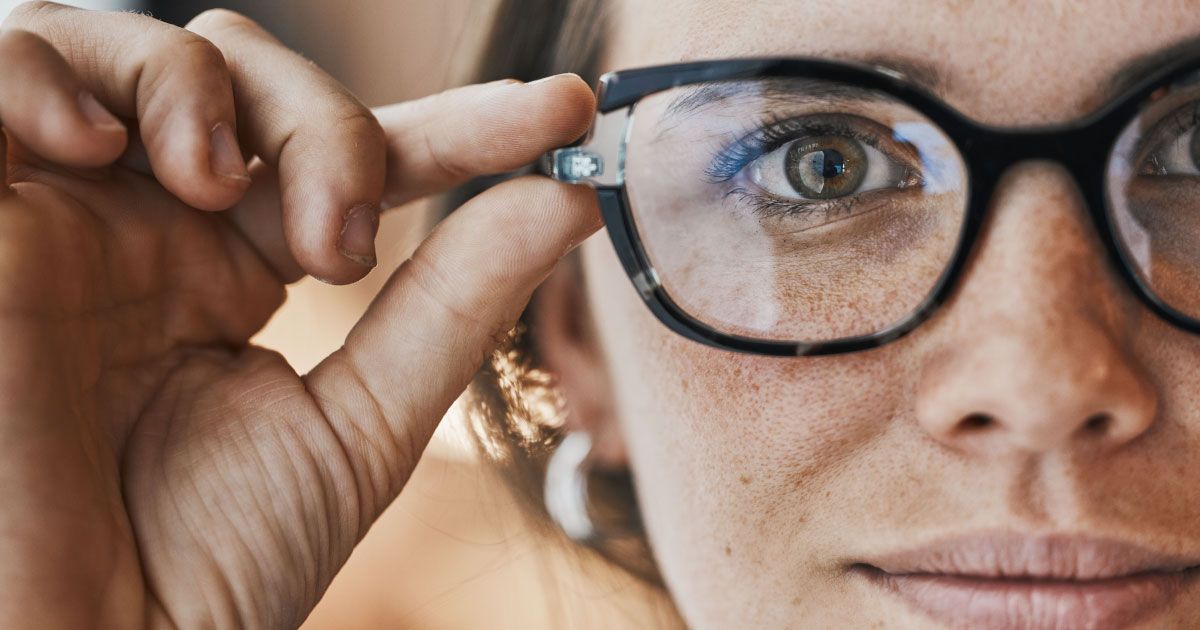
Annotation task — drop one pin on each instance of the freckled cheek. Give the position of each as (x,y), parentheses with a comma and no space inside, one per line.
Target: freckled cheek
(705,394)
(743,440)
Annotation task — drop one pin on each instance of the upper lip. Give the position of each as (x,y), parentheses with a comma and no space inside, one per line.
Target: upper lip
(1007,555)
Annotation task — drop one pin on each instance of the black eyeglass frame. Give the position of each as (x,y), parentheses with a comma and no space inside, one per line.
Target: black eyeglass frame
(1083,147)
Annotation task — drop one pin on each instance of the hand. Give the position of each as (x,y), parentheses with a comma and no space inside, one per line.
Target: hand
(155,469)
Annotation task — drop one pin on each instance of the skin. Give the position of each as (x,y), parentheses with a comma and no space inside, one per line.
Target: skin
(801,466)
(157,471)
(179,477)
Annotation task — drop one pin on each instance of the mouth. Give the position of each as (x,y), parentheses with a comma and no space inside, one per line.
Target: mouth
(1001,581)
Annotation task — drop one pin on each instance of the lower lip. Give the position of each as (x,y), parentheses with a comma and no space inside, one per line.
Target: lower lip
(992,604)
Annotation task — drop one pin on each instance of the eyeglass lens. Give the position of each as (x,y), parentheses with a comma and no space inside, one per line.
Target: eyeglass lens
(790,209)
(1153,190)
(793,209)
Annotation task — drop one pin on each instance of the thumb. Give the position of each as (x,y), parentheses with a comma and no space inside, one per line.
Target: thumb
(438,317)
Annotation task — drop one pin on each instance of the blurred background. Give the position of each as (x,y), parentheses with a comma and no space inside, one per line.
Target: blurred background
(453,551)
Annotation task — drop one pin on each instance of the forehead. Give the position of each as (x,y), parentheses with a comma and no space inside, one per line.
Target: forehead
(1002,62)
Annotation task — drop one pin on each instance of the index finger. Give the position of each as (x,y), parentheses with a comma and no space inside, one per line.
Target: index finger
(441,141)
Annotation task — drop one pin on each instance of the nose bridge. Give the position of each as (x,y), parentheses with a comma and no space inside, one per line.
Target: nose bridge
(1080,147)
(1039,243)
(1072,159)
(1033,354)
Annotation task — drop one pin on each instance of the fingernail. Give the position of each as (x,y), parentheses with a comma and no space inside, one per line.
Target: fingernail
(97,114)
(357,242)
(224,155)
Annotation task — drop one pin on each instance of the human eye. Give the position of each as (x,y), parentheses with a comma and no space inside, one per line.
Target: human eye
(816,169)
(1173,146)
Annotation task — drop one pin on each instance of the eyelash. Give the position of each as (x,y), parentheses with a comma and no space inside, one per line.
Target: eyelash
(772,133)
(770,207)
(1180,121)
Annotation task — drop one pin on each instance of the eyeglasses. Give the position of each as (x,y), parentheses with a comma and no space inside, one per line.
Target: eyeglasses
(790,206)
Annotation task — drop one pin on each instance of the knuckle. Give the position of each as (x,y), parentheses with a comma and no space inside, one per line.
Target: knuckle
(31,12)
(187,57)
(201,53)
(219,22)
(443,141)
(439,294)
(442,152)
(360,123)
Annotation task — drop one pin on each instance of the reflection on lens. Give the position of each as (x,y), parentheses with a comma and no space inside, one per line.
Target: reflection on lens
(793,209)
(1153,188)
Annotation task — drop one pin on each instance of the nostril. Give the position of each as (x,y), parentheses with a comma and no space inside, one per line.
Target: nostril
(976,422)
(1098,423)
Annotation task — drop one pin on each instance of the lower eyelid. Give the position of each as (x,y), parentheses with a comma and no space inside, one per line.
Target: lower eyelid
(769,207)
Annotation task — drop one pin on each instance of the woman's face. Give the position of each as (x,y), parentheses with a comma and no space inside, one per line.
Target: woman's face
(763,481)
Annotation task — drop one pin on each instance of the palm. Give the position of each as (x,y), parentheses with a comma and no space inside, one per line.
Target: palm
(156,432)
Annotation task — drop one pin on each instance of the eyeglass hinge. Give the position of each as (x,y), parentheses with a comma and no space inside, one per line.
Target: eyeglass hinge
(599,160)
(573,164)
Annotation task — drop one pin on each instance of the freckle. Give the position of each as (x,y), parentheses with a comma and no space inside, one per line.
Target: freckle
(728,551)
(754,386)
(737,372)
(796,600)
(745,479)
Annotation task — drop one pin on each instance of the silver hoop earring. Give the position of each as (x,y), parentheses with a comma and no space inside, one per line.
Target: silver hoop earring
(566,486)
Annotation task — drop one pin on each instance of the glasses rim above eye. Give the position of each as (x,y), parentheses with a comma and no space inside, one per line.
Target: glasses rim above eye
(1082,146)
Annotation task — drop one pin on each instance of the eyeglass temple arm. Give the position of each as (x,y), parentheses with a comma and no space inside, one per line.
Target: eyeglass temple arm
(599,160)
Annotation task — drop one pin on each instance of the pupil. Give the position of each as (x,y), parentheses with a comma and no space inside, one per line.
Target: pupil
(829,163)
(825,167)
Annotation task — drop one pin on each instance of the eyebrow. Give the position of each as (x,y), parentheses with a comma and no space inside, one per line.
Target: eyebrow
(791,90)
(1137,68)
(920,73)
(794,90)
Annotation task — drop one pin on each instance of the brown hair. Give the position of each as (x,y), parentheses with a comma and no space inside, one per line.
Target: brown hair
(513,406)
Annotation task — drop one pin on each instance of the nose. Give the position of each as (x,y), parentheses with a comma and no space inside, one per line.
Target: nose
(1018,394)
(1033,356)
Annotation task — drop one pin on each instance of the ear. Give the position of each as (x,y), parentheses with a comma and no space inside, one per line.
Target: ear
(567,345)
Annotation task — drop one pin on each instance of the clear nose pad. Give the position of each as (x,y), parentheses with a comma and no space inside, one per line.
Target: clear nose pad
(600,159)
